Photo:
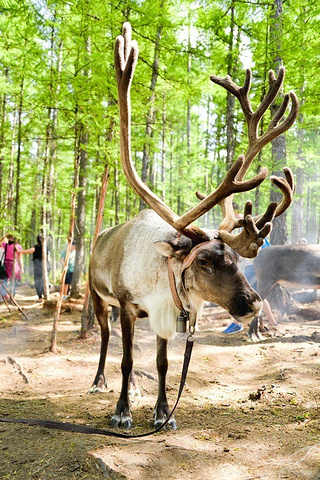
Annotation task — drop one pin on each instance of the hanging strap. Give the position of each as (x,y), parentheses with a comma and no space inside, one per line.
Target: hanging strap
(173,286)
(69,427)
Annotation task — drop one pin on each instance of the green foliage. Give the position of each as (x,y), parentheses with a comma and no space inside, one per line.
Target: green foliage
(56,59)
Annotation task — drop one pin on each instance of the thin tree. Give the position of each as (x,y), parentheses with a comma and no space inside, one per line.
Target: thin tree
(150,118)
(279,232)
(87,299)
(54,333)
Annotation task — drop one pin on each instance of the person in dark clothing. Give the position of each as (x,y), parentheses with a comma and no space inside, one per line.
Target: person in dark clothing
(36,251)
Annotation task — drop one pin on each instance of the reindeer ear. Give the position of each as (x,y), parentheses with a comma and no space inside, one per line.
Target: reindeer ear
(178,248)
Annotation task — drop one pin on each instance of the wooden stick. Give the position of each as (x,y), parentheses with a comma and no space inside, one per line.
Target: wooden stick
(19,368)
(14,301)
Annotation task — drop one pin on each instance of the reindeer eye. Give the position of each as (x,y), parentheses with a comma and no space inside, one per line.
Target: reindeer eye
(202,262)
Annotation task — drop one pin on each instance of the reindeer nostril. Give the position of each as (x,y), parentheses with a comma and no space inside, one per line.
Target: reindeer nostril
(244,306)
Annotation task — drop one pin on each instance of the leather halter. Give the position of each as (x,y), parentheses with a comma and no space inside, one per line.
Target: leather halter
(187,262)
(195,250)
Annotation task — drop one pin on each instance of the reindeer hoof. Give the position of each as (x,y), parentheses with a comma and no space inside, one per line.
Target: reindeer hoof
(98,385)
(115,421)
(121,421)
(172,424)
(95,389)
(126,423)
(160,418)
(256,337)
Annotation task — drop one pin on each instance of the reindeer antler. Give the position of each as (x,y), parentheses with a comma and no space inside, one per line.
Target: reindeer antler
(126,54)
(254,228)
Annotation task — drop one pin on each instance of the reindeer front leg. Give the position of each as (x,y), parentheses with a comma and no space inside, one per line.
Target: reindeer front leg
(122,415)
(161,409)
(101,311)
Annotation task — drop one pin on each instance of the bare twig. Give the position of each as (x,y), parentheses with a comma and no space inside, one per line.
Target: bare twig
(141,373)
(19,369)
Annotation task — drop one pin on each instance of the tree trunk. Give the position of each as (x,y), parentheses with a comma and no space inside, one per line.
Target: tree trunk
(2,139)
(54,333)
(80,215)
(87,312)
(44,211)
(116,193)
(297,223)
(151,113)
(81,196)
(163,150)
(18,161)
(230,97)
(9,200)
(279,232)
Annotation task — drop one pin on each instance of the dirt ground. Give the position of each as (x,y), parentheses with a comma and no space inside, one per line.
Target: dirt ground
(249,410)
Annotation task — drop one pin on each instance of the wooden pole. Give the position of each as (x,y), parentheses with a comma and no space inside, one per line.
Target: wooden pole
(54,333)
(103,192)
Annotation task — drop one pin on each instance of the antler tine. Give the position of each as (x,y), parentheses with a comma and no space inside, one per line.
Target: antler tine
(255,229)
(274,87)
(229,186)
(251,238)
(256,143)
(274,130)
(287,188)
(241,93)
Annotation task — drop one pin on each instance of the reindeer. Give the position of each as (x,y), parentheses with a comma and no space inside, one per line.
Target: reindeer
(130,263)
(291,266)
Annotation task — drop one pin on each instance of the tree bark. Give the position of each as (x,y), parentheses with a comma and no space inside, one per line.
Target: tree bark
(54,333)
(2,139)
(151,113)
(80,214)
(18,161)
(279,232)
(230,97)
(87,312)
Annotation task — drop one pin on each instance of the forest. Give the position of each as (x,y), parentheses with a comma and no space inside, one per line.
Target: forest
(59,119)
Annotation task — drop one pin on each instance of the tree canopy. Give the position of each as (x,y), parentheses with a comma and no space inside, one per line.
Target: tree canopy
(58,106)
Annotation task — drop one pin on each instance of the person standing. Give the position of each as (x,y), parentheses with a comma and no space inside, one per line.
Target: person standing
(12,262)
(69,275)
(36,251)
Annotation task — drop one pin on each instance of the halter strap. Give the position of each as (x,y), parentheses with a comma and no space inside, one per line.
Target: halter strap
(193,253)
(185,264)
(173,286)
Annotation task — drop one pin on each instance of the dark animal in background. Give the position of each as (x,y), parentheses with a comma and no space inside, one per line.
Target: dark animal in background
(294,266)
(291,266)
(129,264)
